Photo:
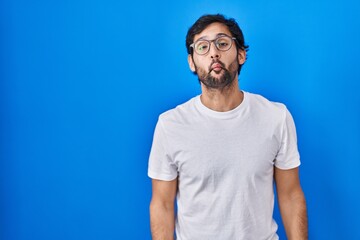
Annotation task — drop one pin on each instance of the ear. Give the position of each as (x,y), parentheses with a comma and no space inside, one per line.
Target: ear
(191,63)
(241,56)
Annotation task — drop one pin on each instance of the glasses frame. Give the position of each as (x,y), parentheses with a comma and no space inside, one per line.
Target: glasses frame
(212,41)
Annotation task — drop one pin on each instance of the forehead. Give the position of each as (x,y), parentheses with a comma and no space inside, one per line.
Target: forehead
(212,31)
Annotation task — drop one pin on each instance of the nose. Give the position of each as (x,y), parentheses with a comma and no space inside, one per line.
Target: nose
(214,52)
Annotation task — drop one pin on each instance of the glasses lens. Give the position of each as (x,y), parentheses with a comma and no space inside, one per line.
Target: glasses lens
(223,43)
(202,47)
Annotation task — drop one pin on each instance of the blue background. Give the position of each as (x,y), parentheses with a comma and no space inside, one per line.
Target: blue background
(83,82)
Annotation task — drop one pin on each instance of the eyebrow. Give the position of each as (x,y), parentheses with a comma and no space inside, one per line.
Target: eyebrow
(217,35)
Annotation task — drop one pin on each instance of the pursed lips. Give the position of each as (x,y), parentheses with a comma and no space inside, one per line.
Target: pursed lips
(216,67)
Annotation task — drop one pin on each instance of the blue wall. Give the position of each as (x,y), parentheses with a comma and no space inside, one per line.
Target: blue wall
(82,84)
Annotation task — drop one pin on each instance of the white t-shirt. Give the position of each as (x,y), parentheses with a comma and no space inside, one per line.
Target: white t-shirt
(224,162)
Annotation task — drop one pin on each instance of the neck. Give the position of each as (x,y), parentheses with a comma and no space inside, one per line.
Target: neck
(222,100)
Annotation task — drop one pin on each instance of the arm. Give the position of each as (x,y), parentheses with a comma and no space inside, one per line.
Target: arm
(291,203)
(162,212)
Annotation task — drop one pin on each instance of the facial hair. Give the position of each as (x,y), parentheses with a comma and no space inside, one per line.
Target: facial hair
(223,80)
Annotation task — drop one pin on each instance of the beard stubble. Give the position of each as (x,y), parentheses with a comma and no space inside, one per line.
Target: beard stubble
(223,79)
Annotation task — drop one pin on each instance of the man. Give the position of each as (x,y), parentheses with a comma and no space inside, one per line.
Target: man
(219,153)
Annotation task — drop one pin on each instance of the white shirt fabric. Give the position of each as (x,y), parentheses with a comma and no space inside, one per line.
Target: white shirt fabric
(224,162)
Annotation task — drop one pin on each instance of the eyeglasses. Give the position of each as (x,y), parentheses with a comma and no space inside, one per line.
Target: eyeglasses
(222,43)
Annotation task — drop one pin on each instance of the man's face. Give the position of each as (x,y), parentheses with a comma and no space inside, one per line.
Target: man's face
(216,69)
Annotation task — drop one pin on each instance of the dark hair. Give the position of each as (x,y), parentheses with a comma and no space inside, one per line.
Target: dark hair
(208,19)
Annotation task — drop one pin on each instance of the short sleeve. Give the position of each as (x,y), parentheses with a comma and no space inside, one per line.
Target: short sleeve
(288,155)
(161,166)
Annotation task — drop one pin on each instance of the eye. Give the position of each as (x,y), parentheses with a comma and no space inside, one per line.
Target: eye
(223,43)
(202,46)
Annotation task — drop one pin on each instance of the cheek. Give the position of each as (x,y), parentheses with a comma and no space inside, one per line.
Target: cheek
(202,61)
(201,66)
(234,66)
(201,72)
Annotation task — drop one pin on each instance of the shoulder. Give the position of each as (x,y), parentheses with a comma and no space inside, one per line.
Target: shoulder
(266,108)
(181,113)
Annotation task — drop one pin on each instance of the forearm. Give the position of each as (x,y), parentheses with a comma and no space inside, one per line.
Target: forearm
(162,221)
(294,216)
